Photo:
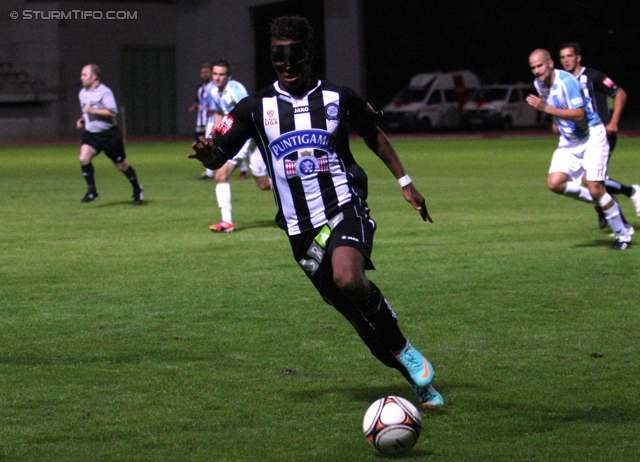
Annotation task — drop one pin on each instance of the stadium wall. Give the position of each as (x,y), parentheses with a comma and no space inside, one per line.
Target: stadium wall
(42,53)
(210,30)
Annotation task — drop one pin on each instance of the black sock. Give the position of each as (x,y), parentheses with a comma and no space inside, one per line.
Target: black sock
(613,187)
(130,173)
(88,174)
(383,319)
(386,357)
(372,338)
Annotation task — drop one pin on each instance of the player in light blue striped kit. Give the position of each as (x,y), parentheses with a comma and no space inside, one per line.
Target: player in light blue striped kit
(224,95)
(583,151)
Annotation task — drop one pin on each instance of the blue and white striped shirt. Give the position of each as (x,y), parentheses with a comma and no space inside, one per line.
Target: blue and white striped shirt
(566,93)
(226,100)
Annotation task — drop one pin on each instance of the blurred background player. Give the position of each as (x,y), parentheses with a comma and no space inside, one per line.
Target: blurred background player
(99,111)
(597,87)
(223,97)
(201,107)
(583,151)
(210,123)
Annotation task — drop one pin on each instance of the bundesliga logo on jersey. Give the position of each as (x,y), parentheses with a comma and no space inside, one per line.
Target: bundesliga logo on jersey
(271,119)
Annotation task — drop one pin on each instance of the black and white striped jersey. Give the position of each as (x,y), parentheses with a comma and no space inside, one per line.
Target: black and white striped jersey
(305,145)
(596,87)
(202,98)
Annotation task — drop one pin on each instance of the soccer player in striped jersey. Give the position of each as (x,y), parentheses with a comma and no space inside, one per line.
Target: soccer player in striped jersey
(597,87)
(300,125)
(583,150)
(201,107)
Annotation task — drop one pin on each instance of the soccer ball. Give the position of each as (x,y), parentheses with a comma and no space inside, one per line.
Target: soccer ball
(392,425)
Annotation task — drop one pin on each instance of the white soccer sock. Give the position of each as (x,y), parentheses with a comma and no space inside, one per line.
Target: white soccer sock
(578,192)
(613,215)
(209,172)
(223,194)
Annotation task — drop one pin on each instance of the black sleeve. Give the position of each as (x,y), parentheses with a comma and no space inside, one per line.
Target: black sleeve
(360,115)
(235,128)
(604,84)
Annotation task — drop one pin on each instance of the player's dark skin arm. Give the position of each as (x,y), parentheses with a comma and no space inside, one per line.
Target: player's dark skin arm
(207,152)
(381,146)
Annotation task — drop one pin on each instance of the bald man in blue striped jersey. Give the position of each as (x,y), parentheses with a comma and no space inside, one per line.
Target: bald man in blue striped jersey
(583,149)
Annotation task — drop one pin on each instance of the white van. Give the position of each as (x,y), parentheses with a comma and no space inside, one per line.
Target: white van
(502,106)
(430,101)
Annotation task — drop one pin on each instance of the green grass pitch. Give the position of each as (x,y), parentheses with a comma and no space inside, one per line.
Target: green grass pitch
(135,334)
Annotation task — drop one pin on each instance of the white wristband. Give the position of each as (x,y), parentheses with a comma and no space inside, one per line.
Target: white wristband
(404,181)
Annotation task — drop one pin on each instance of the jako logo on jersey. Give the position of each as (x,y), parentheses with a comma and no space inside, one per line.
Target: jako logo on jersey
(301,139)
(225,125)
(300,110)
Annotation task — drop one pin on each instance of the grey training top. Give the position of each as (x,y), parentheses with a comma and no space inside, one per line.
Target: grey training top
(100,97)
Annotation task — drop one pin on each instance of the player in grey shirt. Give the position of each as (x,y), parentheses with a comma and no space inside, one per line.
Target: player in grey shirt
(99,111)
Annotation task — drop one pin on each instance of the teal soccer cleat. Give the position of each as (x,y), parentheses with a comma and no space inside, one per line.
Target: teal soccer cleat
(428,396)
(418,366)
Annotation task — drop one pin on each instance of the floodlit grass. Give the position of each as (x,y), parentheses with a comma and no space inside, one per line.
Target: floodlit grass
(135,334)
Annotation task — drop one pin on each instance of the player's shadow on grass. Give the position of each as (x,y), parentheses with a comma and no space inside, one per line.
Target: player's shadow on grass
(604,243)
(556,416)
(120,203)
(256,224)
(417,454)
(367,395)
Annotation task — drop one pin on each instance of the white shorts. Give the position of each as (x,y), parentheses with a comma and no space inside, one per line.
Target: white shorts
(250,151)
(590,155)
(208,129)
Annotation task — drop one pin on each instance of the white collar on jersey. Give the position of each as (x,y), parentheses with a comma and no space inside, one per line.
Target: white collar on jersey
(288,95)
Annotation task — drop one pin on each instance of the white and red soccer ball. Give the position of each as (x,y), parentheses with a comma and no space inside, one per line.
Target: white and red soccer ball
(392,425)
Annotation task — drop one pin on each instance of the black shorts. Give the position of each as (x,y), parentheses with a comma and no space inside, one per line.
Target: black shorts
(612,138)
(197,135)
(109,141)
(355,230)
